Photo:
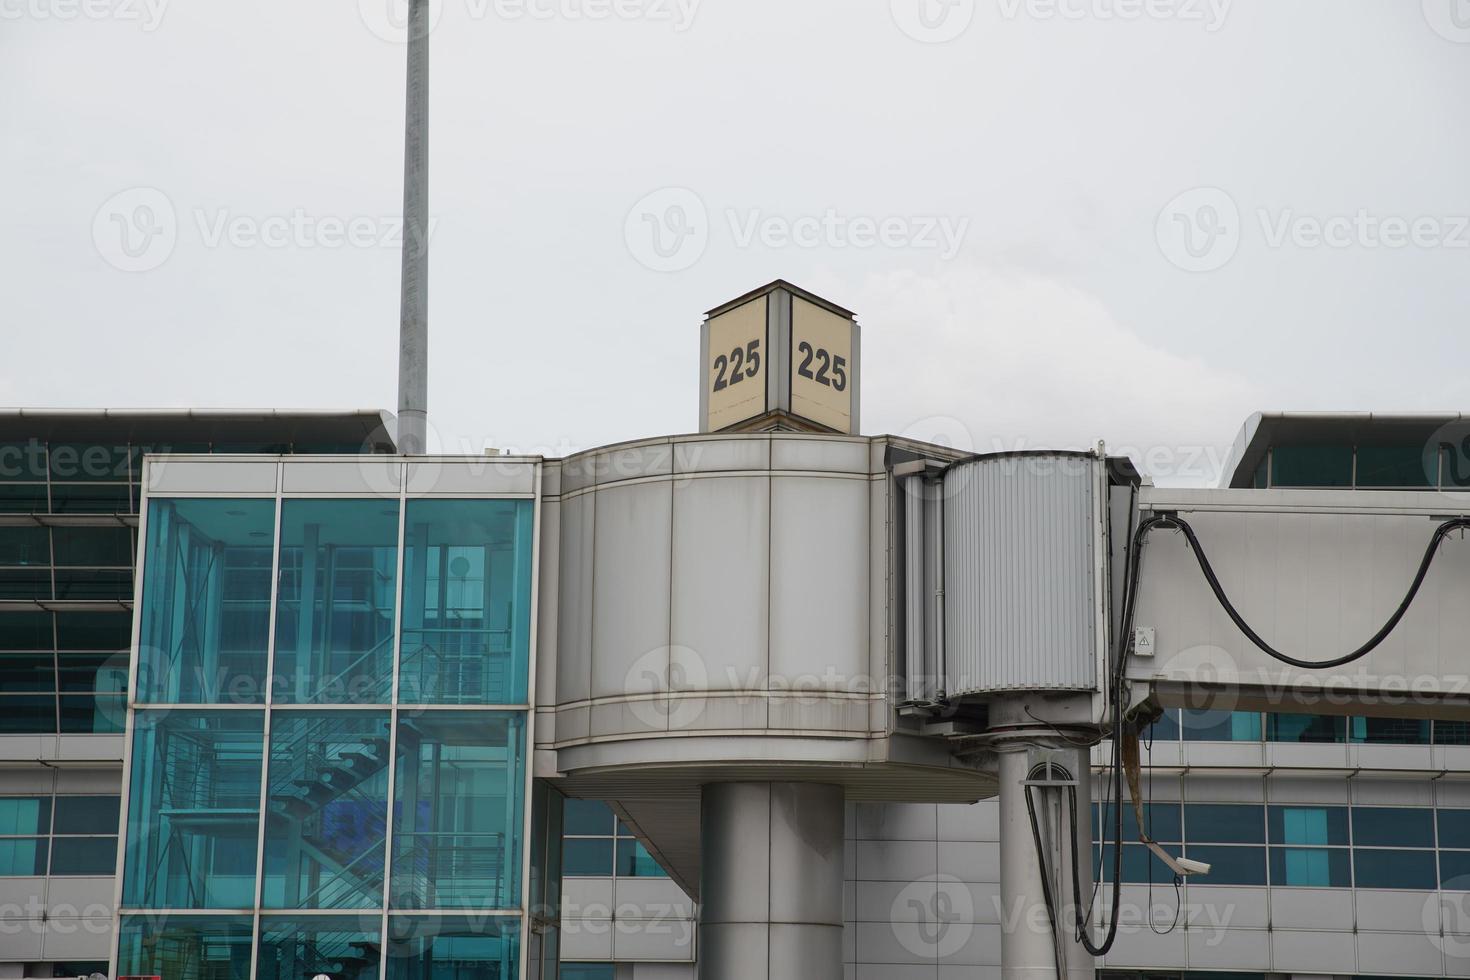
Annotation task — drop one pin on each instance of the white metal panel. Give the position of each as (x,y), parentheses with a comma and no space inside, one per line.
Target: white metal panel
(825,455)
(366,475)
(716,455)
(1316,572)
(630,586)
(819,583)
(721,581)
(167,475)
(548,611)
(1021,542)
(574,600)
(1410,953)
(486,476)
(71,939)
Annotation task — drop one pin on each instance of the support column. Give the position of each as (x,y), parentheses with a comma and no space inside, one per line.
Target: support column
(771,882)
(1030,948)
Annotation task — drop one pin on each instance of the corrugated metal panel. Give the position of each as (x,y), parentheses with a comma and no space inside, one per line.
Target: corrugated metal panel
(1019,574)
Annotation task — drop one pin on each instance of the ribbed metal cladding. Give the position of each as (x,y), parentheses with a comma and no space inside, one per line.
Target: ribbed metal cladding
(1020,538)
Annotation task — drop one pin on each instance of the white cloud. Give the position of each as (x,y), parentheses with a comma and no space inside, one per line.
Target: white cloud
(1011,359)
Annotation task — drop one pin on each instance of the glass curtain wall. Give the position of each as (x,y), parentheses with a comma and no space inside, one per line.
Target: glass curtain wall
(314,790)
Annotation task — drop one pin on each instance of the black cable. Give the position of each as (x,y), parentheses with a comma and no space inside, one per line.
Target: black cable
(1041,864)
(1440,533)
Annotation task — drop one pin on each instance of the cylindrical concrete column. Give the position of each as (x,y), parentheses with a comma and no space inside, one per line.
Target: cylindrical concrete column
(1026,944)
(1029,946)
(771,882)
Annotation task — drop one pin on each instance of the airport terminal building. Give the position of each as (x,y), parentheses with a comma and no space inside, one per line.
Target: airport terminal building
(772,700)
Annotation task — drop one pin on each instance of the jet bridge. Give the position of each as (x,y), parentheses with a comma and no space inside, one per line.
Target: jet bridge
(1315,574)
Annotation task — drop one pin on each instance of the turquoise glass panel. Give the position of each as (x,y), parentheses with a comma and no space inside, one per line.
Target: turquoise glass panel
(454,948)
(205,617)
(1308,824)
(1311,867)
(185,947)
(457,810)
(25,815)
(326,810)
(466,602)
(334,609)
(1211,725)
(193,810)
(22,857)
(339,947)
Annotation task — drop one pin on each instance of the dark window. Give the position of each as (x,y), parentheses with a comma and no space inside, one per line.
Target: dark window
(1312,466)
(1306,728)
(88,463)
(1454,828)
(1230,865)
(1398,826)
(1454,870)
(93,631)
(1161,819)
(23,462)
(588,818)
(1394,869)
(1225,823)
(22,673)
(635,862)
(1452,733)
(1388,731)
(84,855)
(587,857)
(1397,466)
(26,631)
(1138,864)
(86,815)
(25,583)
(588,971)
(24,546)
(24,498)
(94,546)
(27,714)
(1165,729)
(90,498)
(94,583)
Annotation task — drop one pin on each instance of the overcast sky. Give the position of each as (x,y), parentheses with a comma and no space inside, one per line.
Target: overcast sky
(1058,220)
